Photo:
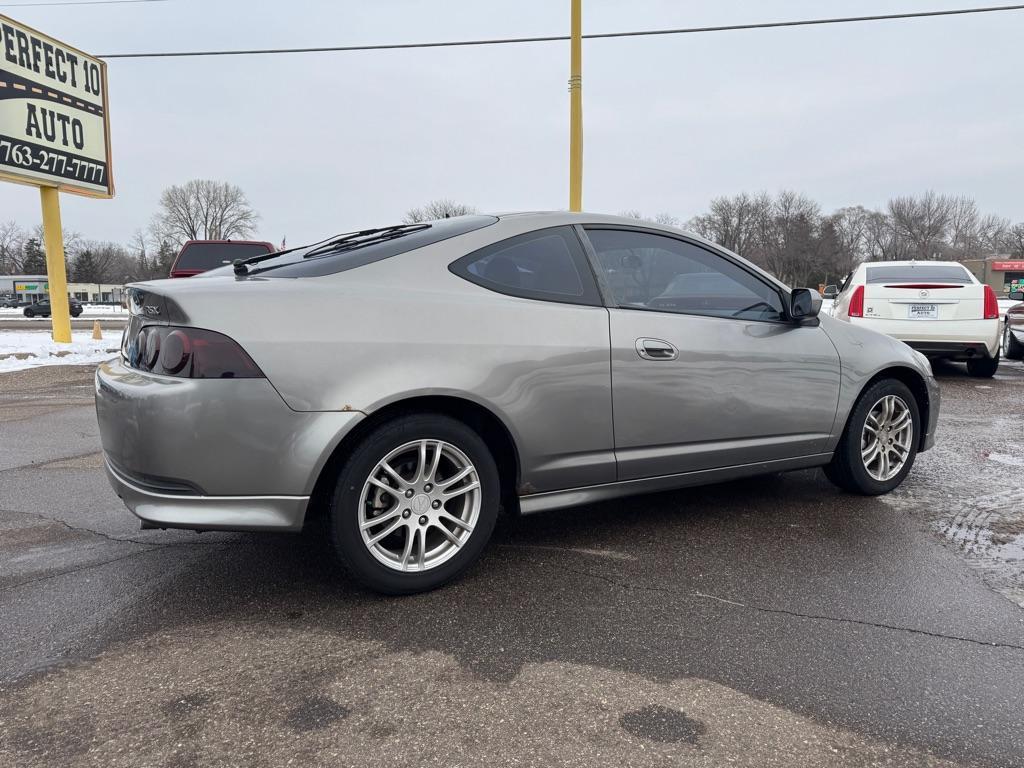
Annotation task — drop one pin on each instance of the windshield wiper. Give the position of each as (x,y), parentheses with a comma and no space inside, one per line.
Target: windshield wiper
(337,244)
(364,237)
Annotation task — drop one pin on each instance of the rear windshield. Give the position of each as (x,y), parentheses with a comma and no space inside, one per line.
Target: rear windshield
(294,264)
(211,255)
(916,273)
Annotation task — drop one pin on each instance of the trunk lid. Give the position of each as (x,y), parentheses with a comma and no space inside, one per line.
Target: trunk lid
(922,292)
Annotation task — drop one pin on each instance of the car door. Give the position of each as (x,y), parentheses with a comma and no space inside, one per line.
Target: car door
(707,369)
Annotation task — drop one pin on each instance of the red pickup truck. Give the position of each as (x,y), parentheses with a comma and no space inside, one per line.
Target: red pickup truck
(198,256)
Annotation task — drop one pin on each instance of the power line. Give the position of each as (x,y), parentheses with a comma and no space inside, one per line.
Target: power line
(83,2)
(559,38)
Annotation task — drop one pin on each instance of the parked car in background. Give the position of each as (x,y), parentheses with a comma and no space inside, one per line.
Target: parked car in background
(198,256)
(9,301)
(412,379)
(939,308)
(42,308)
(1013,328)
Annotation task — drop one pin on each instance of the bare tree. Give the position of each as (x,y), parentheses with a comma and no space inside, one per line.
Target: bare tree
(1014,240)
(101,262)
(12,243)
(732,221)
(437,209)
(204,210)
(664,219)
(924,221)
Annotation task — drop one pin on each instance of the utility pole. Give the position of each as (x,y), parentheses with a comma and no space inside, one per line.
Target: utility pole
(576,109)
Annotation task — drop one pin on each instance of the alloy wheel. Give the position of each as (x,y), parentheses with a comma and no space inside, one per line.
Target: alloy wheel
(419,505)
(887,437)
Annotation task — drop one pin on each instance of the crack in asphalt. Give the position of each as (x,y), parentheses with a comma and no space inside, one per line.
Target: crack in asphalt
(109,537)
(786,612)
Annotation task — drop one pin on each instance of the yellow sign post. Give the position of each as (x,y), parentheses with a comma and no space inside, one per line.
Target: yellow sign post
(576,109)
(54,134)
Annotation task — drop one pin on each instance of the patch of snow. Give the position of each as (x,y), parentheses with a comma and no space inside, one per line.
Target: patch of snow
(1007,459)
(28,349)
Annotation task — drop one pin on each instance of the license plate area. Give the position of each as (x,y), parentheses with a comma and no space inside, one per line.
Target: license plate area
(923,312)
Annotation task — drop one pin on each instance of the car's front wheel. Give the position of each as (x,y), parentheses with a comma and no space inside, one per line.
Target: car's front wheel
(880,441)
(29,312)
(415,504)
(1012,349)
(983,367)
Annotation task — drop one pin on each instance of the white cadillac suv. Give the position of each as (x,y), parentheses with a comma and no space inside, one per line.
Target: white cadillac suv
(937,307)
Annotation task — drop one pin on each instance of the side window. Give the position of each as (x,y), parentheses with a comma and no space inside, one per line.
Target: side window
(653,272)
(548,264)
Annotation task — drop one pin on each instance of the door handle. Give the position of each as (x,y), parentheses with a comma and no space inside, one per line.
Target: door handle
(656,349)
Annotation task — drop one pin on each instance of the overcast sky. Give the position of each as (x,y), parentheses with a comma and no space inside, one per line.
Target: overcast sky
(328,142)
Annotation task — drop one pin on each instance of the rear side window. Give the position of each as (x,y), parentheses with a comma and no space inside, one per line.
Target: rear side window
(917,273)
(548,265)
(212,255)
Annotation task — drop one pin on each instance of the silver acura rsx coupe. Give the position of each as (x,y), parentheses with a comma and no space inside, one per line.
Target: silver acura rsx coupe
(404,383)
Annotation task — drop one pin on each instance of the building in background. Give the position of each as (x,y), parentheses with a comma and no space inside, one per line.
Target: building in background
(31,288)
(1003,273)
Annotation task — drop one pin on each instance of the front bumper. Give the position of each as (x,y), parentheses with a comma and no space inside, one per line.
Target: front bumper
(934,400)
(225,454)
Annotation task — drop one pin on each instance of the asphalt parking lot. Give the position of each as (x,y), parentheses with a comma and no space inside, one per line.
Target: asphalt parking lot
(773,621)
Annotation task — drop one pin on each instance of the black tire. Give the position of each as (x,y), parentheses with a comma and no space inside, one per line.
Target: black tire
(29,312)
(1012,349)
(983,367)
(846,469)
(343,514)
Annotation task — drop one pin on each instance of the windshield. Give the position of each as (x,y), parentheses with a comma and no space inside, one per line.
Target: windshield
(206,256)
(916,273)
(323,258)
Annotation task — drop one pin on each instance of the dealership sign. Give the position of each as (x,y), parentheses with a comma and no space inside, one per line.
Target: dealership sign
(54,119)
(1008,266)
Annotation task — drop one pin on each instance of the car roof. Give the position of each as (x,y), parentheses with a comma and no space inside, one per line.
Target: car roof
(542,219)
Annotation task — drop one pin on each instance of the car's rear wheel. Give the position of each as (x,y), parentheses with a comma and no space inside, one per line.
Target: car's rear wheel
(983,367)
(878,446)
(29,312)
(415,504)
(1012,349)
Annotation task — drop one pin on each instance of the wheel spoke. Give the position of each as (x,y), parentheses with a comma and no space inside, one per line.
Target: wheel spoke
(386,532)
(383,486)
(883,465)
(375,521)
(402,482)
(421,468)
(462,474)
(461,490)
(432,474)
(408,548)
(869,454)
(421,536)
(449,535)
(901,421)
(458,521)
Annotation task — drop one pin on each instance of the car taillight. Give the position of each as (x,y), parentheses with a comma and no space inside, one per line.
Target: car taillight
(857,302)
(991,304)
(190,353)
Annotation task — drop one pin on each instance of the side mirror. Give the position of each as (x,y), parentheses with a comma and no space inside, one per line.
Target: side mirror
(831,291)
(804,303)
(1017,295)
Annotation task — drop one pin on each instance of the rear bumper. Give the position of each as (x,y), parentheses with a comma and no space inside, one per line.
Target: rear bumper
(959,339)
(210,513)
(211,454)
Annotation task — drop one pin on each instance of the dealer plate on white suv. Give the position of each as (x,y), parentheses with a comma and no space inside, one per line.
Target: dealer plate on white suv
(923,312)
